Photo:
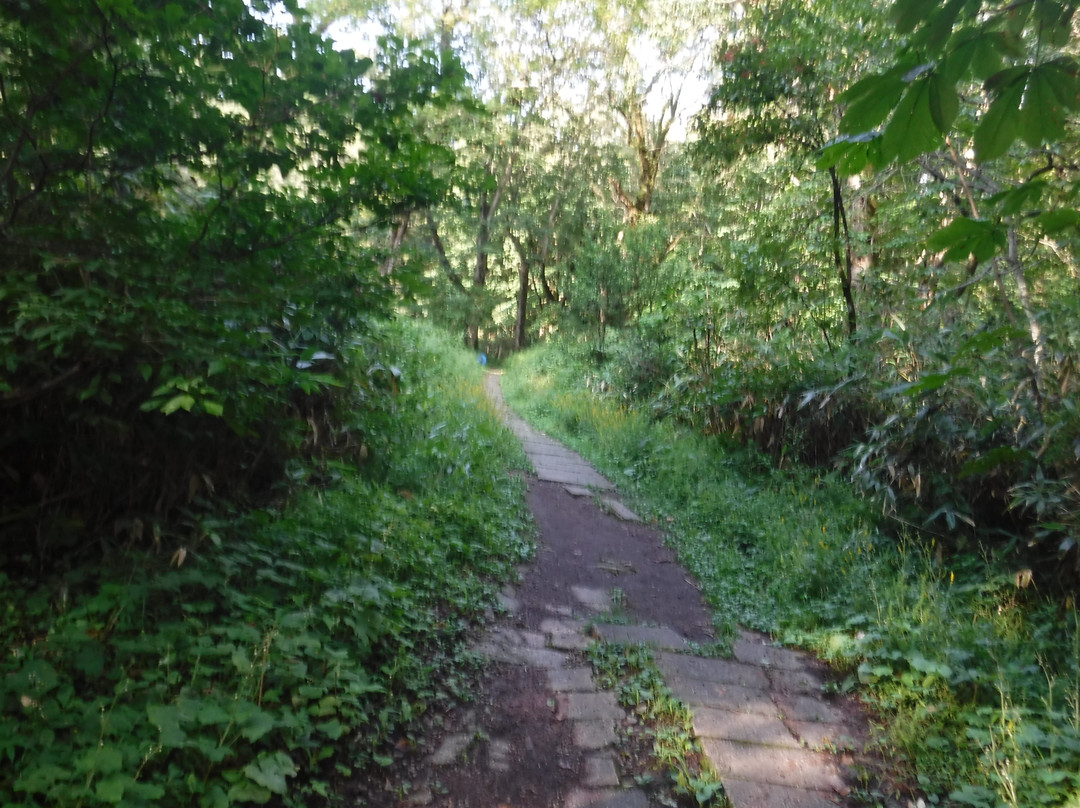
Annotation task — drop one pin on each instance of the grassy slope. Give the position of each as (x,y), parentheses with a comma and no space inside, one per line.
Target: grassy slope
(979,679)
(289,641)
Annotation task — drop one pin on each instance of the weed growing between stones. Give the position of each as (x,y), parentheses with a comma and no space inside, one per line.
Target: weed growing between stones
(669,765)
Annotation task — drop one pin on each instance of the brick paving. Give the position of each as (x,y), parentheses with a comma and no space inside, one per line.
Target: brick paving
(761,717)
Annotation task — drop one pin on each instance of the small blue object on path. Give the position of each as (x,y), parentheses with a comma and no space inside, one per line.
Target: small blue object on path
(482,358)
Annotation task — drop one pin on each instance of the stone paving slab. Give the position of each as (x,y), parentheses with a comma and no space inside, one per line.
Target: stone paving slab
(600,772)
(560,475)
(801,707)
(655,636)
(507,645)
(508,600)
(607,798)
(550,625)
(598,600)
(697,693)
(499,755)
(577,491)
(723,671)
(827,737)
(748,794)
(549,449)
(571,680)
(803,681)
(570,642)
(749,728)
(451,748)
(796,768)
(752,651)
(620,510)
(595,734)
(589,706)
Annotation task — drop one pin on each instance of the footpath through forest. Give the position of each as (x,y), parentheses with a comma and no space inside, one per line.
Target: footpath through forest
(542,734)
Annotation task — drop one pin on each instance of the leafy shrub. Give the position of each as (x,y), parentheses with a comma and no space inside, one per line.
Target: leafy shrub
(180,292)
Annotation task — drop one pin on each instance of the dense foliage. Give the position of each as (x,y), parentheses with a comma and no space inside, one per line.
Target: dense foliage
(292,651)
(181,187)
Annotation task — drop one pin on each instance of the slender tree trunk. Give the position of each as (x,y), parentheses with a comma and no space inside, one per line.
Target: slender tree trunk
(395,244)
(1032,317)
(522,306)
(843,262)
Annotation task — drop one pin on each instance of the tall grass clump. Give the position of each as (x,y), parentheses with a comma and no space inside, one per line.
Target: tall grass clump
(284,648)
(974,673)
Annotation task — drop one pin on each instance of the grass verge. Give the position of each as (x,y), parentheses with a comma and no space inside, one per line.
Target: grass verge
(976,676)
(286,647)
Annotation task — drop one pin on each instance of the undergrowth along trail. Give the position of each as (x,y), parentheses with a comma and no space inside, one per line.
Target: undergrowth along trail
(292,646)
(976,677)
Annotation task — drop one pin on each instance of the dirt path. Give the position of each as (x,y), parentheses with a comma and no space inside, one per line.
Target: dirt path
(541,734)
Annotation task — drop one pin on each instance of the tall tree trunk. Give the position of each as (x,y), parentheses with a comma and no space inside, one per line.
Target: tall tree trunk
(648,141)
(522,306)
(843,262)
(395,244)
(1032,317)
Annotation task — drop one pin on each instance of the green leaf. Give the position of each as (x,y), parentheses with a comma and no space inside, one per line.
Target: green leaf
(870,100)
(907,14)
(112,788)
(89,659)
(911,130)
(215,408)
(212,713)
(1000,126)
(182,401)
(270,771)
(1042,115)
(986,55)
(1054,221)
(1064,79)
(256,724)
(166,717)
(102,760)
(926,384)
(944,102)
(997,458)
(41,779)
(963,237)
(241,661)
(1022,197)
(332,729)
(248,791)
(932,37)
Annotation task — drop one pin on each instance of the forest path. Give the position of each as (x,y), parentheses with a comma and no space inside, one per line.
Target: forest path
(544,735)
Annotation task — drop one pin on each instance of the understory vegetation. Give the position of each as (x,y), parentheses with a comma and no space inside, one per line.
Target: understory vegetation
(294,645)
(974,672)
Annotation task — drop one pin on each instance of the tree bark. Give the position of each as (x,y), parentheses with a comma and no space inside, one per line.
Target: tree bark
(395,244)
(843,262)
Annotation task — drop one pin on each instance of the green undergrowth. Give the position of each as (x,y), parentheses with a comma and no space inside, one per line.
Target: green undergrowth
(295,645)
(677,772)
(975,674)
